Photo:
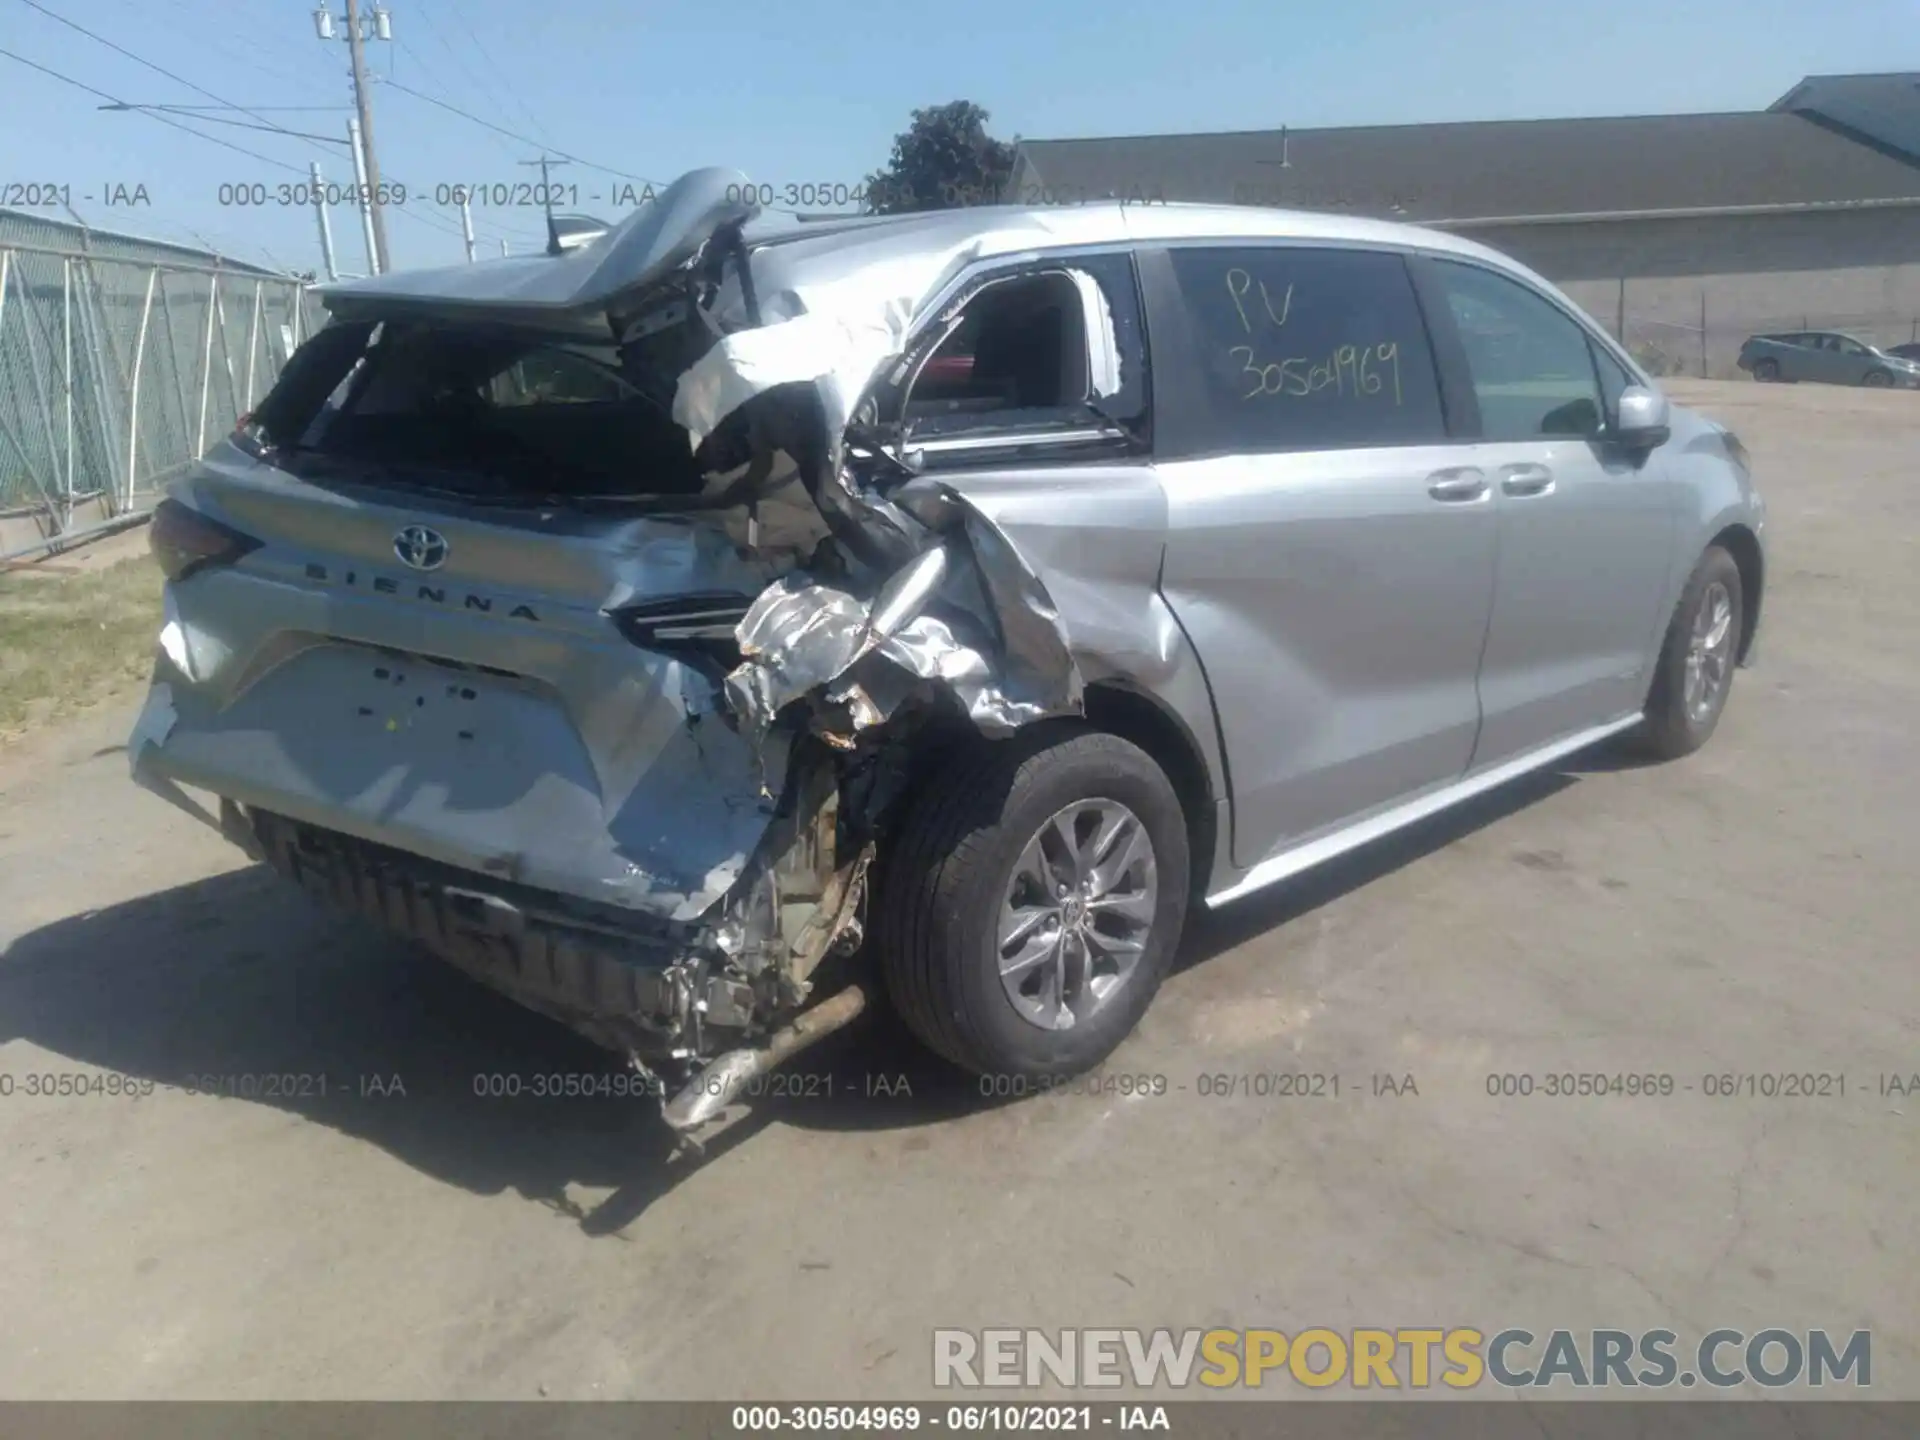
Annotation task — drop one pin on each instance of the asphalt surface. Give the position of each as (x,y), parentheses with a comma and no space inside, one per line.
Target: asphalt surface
(1748,912)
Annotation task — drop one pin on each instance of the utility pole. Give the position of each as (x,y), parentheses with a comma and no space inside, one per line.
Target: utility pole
(363,102)
(320,214)
(366,166)
(546,191)
(466,223)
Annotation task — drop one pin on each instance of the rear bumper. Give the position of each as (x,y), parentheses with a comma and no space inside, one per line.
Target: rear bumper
(620,989)
(486,773)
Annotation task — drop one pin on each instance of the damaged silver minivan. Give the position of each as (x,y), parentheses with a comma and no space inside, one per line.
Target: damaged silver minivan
(697,631)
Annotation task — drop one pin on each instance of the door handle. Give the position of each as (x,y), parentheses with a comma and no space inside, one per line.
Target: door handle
(1526,479)
(1461,483)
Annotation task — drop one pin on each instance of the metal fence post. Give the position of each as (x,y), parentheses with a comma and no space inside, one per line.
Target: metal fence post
(253,343)
(98,351)
(66,333)
(1703,332)
(133,401)
(226,357)
(206,366)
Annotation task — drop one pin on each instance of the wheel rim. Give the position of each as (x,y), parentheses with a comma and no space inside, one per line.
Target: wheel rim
(1766,370)
(1709,652)
(1077,913)
(1876,380)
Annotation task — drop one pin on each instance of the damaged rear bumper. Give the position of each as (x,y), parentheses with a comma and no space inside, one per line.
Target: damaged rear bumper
(657,851)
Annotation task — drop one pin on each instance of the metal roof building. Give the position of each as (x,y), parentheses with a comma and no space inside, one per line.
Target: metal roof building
(1686,232)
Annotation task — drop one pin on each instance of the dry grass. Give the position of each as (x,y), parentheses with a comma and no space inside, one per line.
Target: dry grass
(70,642)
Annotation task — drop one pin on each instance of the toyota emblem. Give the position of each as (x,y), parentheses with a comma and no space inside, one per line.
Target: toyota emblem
(420,548)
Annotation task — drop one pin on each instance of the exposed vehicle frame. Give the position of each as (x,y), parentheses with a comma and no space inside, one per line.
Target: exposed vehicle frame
(1014,692)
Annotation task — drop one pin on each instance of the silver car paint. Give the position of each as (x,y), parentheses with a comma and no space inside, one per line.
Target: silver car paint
(1340,610)
(1313,622)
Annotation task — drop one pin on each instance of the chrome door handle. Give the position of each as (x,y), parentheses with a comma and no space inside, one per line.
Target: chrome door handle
(1461,483)
(1526,479)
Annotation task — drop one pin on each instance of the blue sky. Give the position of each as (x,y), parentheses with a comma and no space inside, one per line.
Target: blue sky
(794,92)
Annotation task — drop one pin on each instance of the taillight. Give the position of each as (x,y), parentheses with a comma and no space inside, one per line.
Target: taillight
(184,541)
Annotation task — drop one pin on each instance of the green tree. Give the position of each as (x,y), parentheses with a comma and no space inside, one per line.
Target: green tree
(943,159)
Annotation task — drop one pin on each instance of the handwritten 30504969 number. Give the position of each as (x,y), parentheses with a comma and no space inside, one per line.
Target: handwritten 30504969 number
(1356,370)
(1348,370)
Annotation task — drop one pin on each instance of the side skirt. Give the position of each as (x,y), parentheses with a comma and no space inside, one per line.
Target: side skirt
(1288,863)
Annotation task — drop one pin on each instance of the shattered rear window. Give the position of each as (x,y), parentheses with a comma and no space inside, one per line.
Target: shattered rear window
(494,406)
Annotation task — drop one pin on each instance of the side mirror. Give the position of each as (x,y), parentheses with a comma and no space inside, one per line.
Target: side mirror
(1643,421)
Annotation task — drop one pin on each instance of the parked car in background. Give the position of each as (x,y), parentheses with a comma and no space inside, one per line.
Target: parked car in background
(1909,351)
(678,629)
(1828,357)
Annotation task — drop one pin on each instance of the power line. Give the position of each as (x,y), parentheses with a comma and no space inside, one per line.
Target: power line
(480,87)
(515,135)
(157,69)
(433,223)
(241,124)
(502,82)
(164,120)
(275,61)
(421,61)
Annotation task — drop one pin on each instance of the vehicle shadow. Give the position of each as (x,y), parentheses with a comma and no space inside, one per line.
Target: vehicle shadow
(241,981)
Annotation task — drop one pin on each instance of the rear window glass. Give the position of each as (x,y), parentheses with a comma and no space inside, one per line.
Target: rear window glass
(488,404)
(1309,349)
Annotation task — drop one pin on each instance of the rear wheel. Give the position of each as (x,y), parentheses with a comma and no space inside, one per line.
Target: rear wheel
(1766,369)
(1694,674)
(1032,902)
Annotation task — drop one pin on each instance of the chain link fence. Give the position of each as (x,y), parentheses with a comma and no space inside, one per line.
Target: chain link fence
(1668,347)
(121,360)
(1677,329)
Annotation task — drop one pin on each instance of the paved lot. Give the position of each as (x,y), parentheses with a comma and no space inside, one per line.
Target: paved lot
(1751,910)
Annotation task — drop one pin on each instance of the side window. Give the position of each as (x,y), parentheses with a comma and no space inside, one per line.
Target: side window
(1049,350)
(1531,365)
(1303,348)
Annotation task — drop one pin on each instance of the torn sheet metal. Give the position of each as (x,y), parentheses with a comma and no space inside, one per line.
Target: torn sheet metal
(150,731)
(828,305)
(155,722)
(1002,652)
(837,302)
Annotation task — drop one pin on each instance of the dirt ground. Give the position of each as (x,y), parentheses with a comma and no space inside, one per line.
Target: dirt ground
(1750,911)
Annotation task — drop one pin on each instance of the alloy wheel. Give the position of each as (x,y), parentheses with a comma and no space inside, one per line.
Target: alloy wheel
(1077,913)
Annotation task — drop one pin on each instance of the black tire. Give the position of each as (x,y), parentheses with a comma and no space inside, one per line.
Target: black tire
(1766,370)
(1670,730)
(947,873)
(1876,379)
